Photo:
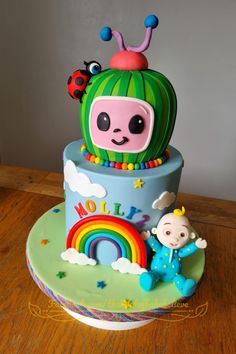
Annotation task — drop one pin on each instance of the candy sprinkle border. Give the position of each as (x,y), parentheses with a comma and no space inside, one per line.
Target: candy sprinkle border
(125,166)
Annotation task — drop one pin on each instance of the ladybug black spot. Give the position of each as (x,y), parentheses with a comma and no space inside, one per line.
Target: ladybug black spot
(84,72)
(78,94)
(79,81)
(69,80)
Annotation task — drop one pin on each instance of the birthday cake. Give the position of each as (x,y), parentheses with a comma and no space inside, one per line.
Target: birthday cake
(118,239)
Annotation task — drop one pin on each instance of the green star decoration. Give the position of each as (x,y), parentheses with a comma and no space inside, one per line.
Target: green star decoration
(61,275)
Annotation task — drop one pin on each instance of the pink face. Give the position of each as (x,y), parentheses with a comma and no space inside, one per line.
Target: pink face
(121,124)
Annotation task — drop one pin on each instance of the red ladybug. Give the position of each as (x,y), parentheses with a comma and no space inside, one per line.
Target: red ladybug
(78,81)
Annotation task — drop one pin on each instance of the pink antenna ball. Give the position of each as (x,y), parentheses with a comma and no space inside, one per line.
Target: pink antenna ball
(126,60)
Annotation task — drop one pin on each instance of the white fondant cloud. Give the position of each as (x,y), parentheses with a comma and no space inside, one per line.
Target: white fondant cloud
(164,201)
(80,183)
(123,265)
(72,256)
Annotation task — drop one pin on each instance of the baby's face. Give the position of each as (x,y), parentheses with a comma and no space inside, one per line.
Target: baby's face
(173,231)
(121,124)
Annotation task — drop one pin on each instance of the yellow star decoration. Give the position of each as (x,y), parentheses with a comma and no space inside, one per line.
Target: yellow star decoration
(127,303)
(138,184)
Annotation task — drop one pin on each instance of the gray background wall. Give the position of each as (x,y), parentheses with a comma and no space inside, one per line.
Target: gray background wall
(42,42)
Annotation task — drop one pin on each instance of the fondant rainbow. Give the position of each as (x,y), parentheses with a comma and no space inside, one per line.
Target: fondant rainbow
(86,233)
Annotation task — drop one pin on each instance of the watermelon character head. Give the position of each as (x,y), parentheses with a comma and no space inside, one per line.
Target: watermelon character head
(128,112)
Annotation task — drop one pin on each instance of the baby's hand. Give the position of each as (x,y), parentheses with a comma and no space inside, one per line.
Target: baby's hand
(145,235)
(200,243)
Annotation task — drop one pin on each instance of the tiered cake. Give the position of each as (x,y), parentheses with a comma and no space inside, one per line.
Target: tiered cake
(115,254)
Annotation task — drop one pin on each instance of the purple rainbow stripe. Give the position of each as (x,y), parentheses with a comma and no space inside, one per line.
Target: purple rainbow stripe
(92,247)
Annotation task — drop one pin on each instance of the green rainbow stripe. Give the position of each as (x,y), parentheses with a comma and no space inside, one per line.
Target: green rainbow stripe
(114,235)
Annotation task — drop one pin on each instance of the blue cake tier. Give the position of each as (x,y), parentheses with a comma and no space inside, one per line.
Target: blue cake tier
(139,197)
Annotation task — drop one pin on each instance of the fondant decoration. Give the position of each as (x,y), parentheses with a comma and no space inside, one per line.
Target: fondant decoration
(125,126)
(173,233)
(124,166)
(142,223)
(103,208)
(179,212)
(86,234)
(78,81)
(147,86)
(72,256)
(101,284)
(44,242)
(130,58)
(70,291)
(133,211)
(126,303)
(117,210)
(126,90)
(89,206)
(138,183)
(56,210)
(164,201)
(61,275)
(80,183)
(123,265)
(114,128)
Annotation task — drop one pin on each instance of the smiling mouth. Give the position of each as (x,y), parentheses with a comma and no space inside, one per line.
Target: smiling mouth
(122,142)
(173,244)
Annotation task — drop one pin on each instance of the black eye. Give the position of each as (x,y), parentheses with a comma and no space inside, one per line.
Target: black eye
(103,121)
(182,234)
(136,124)
(168,232)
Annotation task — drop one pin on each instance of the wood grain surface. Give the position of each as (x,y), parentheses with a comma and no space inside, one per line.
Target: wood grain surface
(31,323)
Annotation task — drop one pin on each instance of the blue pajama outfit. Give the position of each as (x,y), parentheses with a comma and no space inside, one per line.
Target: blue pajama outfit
(166,266)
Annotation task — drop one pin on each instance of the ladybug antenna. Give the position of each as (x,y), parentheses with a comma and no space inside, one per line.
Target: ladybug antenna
(150,23)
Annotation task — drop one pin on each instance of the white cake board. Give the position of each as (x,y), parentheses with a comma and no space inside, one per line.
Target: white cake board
(108,325)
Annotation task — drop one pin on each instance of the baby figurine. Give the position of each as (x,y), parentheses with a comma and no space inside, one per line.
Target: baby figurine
(173,232)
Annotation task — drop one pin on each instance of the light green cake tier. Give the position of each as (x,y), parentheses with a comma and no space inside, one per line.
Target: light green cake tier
(78,289)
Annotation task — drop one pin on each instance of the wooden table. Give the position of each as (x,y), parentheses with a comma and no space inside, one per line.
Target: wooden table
(31,323)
